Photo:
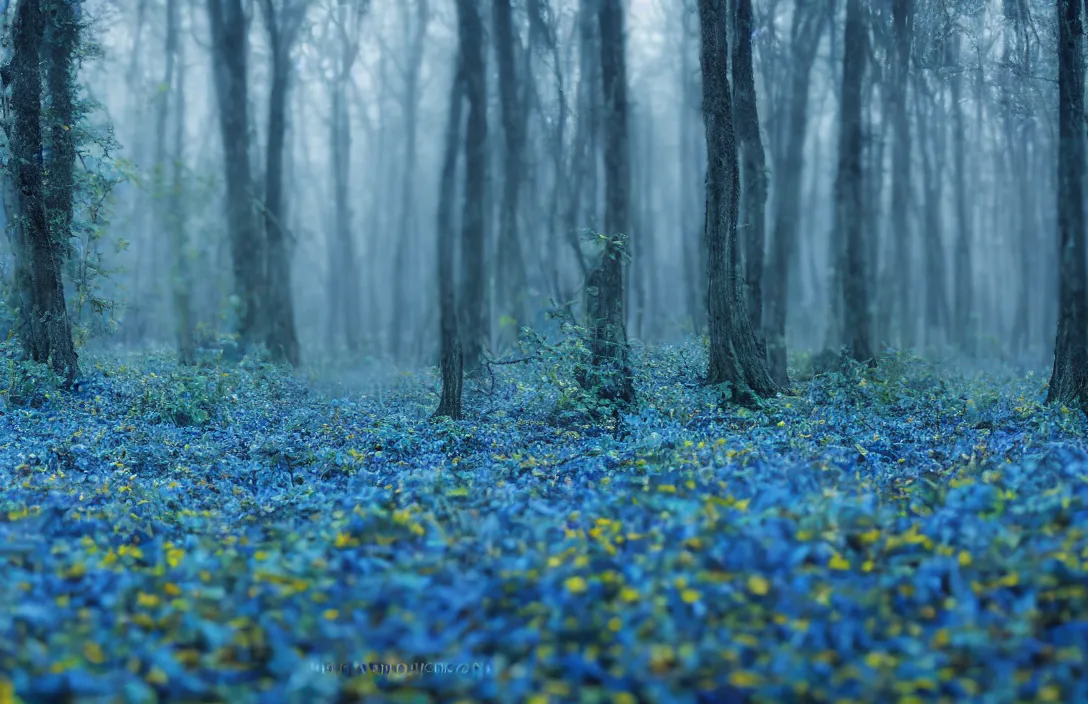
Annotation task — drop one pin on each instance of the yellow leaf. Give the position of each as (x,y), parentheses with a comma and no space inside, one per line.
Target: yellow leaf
(576,585)
(93,653)
(758,585)
(690,596)
(743,678)
(965,558)
(838,562)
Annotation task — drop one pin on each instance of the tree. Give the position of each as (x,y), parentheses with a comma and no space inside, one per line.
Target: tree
(452,359)
(173,216)
(344,285)
(247,246)
(474,75)
(1069,378)
(62,42)
(407,227)
(610,375)
(47,334)
(849,189)
(903,25)
(283,28)
(753,165)
(510,273)
(735,357)
(809,20)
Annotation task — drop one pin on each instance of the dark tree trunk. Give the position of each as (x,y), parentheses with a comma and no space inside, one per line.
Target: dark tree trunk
(611,376)
(903,27)
(451,362)
(48,337)
(753,165)
(473,304)
(808,26)
(62,40)
(849,189)
(282,338)
(511,273)
(735,357)
(1069,379)
(247,246)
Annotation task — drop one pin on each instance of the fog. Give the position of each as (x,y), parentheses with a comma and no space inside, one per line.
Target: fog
(972,265)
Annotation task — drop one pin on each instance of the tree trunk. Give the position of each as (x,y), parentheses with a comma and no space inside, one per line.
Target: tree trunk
(511,274)
(610,375)
(228,24)
(902,277)
(345,306)
(407,228)
(808,25)
(937,316)
(963,305)
(451,362)
(753,165)
(735,357)
(62,40)
(49,335)
(172,213)
(473,303)
(282,338)
(1069,379)
(849,189)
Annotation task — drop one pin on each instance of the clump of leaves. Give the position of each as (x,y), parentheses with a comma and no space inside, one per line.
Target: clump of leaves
(184,397)
(561,364)
(28,384)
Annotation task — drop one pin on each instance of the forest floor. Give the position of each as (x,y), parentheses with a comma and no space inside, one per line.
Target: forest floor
(231,534)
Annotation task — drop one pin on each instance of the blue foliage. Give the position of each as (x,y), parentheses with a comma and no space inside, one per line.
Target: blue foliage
(228,534)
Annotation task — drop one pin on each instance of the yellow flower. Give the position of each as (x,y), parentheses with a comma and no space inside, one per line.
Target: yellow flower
(758,585)
(576,585)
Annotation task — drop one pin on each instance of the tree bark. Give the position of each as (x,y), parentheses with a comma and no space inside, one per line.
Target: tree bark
(610,376)
(407,227)
(282,338)
(808,26)
(753,163)
(903,28)
(849,189)
(735,357)
(49,334)
(1069,378)
(473,304)
(963,305)
(511,277)
(62,40)
(247,246)
(451,363)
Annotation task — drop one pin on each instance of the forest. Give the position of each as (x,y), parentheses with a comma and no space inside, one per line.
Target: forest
(543,351)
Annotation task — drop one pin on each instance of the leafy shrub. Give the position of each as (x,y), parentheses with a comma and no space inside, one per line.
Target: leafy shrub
(184,397)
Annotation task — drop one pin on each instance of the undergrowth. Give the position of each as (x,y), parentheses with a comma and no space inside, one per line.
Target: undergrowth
(228,532)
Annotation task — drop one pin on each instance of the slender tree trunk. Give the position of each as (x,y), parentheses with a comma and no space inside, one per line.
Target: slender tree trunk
(753,166)
(511,273)
(1069,379)
(346,271)
(611,373)
(473,304)
(808,25)
(849,189)
(735,357)
(902,276)
(172,214)
(407,239)
(963,305)
(49,335)
(451,362)
(937,315)
(228,23)
(282,338)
